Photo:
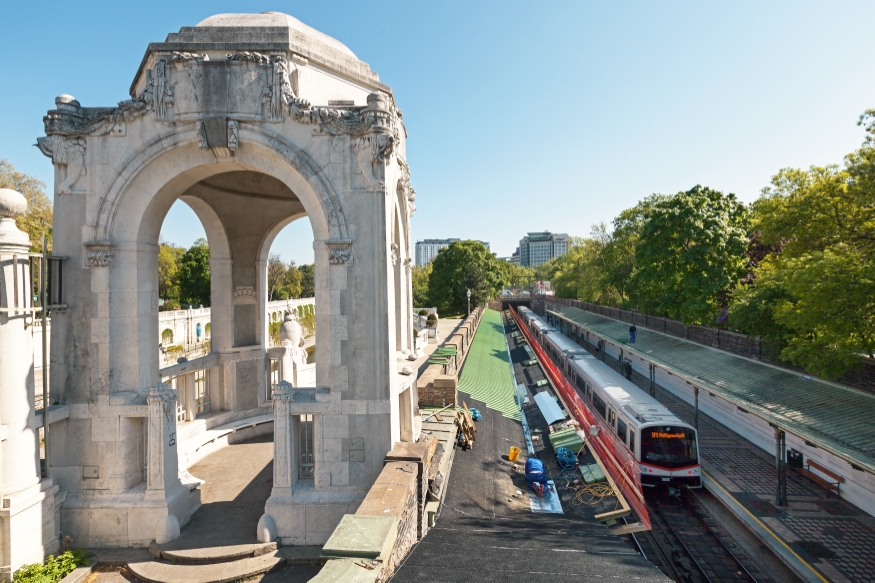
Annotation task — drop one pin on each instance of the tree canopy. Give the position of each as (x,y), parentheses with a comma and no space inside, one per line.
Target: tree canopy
(463,266)
(38,218)
(689,255)
(812,296)
(194,274)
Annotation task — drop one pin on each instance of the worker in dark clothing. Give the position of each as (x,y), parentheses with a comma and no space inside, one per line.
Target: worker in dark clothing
(632,332)
(628,370)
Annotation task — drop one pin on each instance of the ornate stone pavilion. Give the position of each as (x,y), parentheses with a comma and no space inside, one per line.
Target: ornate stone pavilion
(253,120)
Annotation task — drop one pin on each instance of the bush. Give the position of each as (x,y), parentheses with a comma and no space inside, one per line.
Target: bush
(431,321)
(53,569)
(423,312)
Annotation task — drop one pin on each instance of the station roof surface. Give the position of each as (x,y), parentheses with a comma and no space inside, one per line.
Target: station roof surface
(835,417)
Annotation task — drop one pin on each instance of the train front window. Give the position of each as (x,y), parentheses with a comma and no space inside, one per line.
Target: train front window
(669,447)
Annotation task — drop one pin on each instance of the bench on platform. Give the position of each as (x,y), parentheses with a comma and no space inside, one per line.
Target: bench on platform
(834,485)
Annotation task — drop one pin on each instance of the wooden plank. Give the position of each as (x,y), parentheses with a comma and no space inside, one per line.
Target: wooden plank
(628,528)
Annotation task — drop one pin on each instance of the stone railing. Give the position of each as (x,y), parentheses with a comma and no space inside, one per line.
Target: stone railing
(393,514)
(437,385)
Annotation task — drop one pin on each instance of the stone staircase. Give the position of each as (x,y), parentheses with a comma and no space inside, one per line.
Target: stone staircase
(179,563)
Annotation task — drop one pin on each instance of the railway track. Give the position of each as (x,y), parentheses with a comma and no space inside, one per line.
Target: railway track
(687,544)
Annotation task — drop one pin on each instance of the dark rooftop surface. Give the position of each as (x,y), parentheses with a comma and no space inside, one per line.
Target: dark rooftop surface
(486,534)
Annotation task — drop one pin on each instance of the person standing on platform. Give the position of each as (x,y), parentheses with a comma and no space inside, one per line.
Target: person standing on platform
(633,331)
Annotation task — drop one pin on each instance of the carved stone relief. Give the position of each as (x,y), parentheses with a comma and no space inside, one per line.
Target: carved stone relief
(99,254)
(201,135)
(408,265)
(69,155)
(340,252)
(158,94)
(394,253)
(248,56)
(279,94)
(233,135)
(188,57)
(405,191)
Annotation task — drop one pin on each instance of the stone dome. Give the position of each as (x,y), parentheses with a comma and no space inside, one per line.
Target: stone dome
(274,20)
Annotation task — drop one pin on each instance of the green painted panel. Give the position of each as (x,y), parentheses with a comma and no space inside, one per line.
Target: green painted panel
(487,374)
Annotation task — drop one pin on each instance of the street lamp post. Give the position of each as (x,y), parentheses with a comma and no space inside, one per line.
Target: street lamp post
(469,302)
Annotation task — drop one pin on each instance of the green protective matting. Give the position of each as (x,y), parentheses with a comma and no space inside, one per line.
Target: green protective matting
(487,374)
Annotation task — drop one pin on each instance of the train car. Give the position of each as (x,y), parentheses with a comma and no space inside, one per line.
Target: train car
(665,447)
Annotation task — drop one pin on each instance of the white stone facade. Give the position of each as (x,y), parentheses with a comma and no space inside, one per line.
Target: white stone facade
(254,121)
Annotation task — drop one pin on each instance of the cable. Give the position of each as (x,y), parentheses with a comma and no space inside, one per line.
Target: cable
(596,492)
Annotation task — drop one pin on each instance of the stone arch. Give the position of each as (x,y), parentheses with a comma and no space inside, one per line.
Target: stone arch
(167,336)
(165,173)
(264,252)
(301,175)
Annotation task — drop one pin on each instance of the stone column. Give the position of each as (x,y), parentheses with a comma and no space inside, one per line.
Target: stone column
(28,531)
(20,454)
(163,465)
(284,473)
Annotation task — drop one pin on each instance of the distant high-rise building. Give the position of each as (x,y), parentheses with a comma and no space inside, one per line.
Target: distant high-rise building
(427,249)
(538,248)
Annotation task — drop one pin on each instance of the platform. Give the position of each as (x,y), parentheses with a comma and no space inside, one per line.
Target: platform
(824,538)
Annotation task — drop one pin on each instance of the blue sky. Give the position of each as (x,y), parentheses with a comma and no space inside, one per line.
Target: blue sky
(521,116)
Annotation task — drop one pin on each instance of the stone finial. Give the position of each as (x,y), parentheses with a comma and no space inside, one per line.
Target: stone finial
(12,204)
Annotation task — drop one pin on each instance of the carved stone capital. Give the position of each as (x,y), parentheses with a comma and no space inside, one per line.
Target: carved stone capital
(245,294)
(408,265)
(340,251)
(161,400)
(99,253)
(282,394)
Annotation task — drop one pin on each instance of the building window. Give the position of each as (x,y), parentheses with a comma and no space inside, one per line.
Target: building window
(305,467)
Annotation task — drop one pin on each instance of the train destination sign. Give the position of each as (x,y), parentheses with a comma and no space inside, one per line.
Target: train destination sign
(664,435)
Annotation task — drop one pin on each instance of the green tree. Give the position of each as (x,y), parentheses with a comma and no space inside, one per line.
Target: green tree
(462,266)
(308,281)
(822,278)
(689,255)
(168,271)
(292,280)
(420,276)
(276,273)
(38,218)
(194,274)
(617,258)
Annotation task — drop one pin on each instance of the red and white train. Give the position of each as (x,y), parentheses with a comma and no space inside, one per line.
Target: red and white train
(665,447)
